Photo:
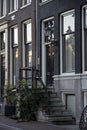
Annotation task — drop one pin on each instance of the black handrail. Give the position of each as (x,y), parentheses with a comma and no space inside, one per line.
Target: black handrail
(35,75)
(83,119)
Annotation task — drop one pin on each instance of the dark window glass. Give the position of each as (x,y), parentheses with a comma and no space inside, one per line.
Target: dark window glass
(2,39)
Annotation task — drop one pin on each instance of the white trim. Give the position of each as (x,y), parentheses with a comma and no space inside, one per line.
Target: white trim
(6,56)
(12,12)
(11,53)
(44,51)
(74,76)
(67,12)
(5,51)
(2,16)
(24,6)
(43,56)
(83,42)
(61,65)
(48,19)
(44,2)
(23,43)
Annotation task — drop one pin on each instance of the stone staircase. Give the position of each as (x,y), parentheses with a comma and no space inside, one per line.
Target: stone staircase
(56,112)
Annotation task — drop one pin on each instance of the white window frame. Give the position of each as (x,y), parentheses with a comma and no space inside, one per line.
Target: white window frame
(11,55)
(1,16)
(23,42)
(25,5)
(11,10)
(63,14)
(43,45)
(83,42)
(5,28)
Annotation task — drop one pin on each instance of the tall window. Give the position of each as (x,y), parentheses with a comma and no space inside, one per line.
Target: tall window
(14,32)
(28,43)
(2,8)
(2,37)
(25,2)
(68,42)
(13,5)
(2,62)
(85,39)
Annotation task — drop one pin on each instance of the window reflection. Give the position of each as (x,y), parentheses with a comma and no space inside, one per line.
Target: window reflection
(14,33)
(69,53)
(68,43)
(86,18)
(69,21)
(28,33)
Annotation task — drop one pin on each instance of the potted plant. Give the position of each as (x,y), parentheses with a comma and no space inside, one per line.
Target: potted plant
(10,100)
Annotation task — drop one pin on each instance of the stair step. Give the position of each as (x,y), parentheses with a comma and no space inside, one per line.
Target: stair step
(52,94)
(60,117)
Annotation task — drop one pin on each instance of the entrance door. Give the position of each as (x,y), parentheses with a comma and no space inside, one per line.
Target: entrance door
(2,75)
(49,64)
(47,51)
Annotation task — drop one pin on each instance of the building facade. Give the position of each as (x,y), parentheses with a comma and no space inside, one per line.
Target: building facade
(49,35)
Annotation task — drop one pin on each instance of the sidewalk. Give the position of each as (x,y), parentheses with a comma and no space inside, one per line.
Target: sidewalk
(34,125)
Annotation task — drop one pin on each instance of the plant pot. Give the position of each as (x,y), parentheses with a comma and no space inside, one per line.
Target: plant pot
(9,110)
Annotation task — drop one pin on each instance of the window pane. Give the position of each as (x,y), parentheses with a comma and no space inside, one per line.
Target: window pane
(24,2)
(28,55)
(28,33)
(15,36)
(15,65)
(3,7)
(68,53)
(69,23)
(2,35)
(49,30)
(86,18)
(13,5)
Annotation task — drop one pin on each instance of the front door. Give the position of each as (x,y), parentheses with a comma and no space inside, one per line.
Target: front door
(48,51)
(2,75)
(49,64)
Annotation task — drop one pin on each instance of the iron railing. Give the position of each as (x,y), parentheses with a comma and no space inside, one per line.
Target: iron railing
(83,119)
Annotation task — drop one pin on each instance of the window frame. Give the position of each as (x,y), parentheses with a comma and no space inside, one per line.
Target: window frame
(61,40)
(25,43)
(23,4)
(44,2)
(13,48)
(84,28)
(3,11)
(12,6)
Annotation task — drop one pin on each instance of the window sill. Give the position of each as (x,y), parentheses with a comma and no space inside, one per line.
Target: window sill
(2,17)
(12,12)
(24,6)
(43,3)
(67,74)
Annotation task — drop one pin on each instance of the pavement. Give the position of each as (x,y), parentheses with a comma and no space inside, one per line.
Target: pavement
(33,125)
